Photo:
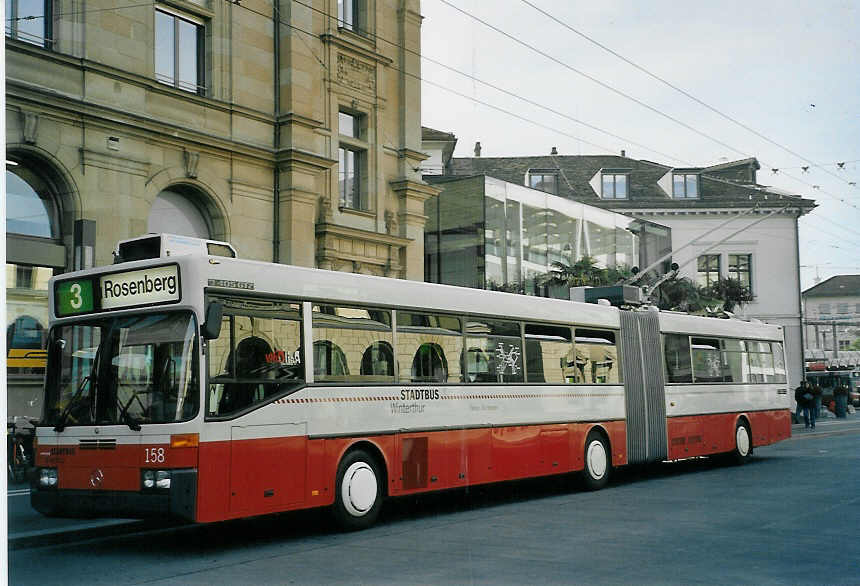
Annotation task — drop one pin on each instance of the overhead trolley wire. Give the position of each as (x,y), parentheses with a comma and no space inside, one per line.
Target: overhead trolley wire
(625,95)
(678,89)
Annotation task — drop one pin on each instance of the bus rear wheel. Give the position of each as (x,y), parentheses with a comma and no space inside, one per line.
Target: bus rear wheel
(598,464)
(358,491)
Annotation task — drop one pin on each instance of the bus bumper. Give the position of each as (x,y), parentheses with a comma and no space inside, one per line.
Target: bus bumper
(179,502)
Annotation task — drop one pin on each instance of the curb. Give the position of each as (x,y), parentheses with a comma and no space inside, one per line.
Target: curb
(82,532)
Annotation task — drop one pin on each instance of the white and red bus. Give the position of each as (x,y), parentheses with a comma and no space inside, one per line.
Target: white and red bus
(205,387)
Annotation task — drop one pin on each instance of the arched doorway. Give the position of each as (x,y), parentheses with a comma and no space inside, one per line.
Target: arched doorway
(183,210)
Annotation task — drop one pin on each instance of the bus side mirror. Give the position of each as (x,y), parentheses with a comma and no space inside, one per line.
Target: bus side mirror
(211,328)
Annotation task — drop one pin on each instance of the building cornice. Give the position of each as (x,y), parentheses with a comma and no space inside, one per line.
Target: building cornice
(326,229)
(341,42)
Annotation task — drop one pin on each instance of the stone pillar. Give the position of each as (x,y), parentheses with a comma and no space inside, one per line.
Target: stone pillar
(303,179)
(411,219)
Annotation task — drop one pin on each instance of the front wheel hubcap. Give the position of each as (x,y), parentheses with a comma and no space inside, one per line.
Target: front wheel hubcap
(358,489)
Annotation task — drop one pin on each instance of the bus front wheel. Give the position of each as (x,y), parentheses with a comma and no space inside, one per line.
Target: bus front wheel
(358,492)
(598,463)
(743,443)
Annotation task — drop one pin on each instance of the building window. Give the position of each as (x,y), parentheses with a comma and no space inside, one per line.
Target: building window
(179,51)
(29,21)
(614,186)
(685,186)
(544,181)
(824,308)
(352,160)
(740,268)
(842,308)
(709,269)
(351,15)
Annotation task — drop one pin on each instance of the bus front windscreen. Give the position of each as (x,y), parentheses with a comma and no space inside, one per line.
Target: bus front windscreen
(129,370)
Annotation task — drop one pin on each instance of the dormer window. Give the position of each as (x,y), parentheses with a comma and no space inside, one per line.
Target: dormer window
(614,186)
(685,185)
(543,180)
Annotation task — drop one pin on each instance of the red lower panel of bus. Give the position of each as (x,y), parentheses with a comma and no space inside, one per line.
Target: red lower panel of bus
(248,477)
(278,474)
(713,434)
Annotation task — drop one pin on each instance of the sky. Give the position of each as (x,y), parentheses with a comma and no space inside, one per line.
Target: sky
(779,81)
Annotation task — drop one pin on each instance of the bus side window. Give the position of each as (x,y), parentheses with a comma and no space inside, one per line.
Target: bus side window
(549,354)
(424,341)
(257,356)
(501,343)
(596,357)
(351,344)
(679,363)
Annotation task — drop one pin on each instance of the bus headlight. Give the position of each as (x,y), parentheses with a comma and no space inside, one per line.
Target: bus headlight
(155,479)
(48,477)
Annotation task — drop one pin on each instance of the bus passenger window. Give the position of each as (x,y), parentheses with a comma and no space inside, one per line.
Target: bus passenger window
(423,342)
(761,362)
(549,354)
(257,357)
(735,364)
(679,364)
(707,362)
(779,375)
(596,357)
(500,343)
(352,344)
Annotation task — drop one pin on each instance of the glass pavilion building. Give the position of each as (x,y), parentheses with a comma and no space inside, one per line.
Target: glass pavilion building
(483,232)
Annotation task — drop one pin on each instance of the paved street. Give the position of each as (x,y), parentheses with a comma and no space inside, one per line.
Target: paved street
(791,516)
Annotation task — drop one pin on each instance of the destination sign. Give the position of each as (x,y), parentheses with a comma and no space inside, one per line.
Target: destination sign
(144,287)
(151,286)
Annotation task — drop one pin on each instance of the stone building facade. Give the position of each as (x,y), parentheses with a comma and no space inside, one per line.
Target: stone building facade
(290,129)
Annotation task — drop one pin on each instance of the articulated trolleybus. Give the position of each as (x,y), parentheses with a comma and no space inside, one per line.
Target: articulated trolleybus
(183,382)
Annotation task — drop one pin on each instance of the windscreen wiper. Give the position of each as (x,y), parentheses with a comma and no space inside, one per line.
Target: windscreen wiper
(64,416)
(124,417)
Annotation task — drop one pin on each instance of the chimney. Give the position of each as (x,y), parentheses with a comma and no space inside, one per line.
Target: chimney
(623,153)
(477,149)
(554,151)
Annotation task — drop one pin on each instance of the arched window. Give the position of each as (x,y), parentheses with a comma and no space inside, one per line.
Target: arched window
(429,364)
(179,210)
(329,361)
(31,207)
(378,360)
(34,253)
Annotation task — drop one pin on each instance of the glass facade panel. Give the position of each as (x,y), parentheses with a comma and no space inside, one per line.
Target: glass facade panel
(487,233)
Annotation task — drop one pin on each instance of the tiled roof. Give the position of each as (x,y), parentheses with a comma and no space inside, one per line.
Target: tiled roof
(838,286)
(723,185)
(432,134)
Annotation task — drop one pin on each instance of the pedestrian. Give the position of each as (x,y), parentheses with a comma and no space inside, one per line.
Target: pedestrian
(840,396)
(806,403)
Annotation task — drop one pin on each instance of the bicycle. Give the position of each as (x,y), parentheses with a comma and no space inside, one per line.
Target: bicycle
(19,450)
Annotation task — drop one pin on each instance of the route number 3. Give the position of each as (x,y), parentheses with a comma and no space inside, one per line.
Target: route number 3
(77,301)
(154,455)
